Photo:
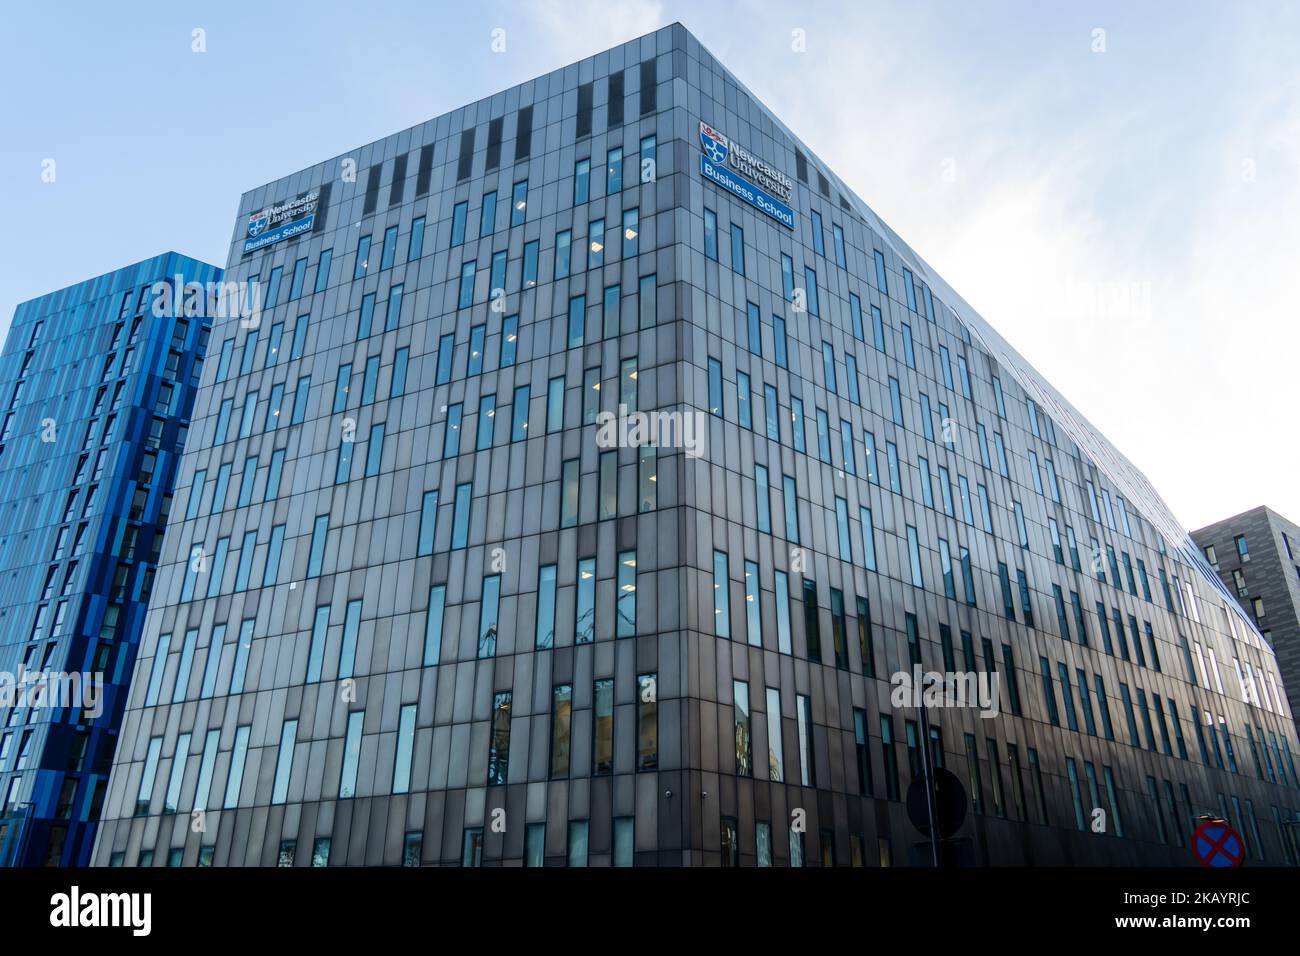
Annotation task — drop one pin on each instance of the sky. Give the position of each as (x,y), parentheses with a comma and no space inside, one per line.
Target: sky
(1115,187)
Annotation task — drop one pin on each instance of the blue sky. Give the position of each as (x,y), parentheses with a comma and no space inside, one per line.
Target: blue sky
(1128,217)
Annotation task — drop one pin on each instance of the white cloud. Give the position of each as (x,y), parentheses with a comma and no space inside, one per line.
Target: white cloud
(1106,233)
(570,30)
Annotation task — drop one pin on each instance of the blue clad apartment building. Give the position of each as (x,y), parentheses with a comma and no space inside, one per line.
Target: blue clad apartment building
(416,606)
(95,397)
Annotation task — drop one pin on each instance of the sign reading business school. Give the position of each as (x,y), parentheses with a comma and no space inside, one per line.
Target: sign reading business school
(268,226)
(746,176)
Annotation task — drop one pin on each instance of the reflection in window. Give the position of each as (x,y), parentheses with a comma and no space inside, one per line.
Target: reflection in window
(647,479)
(561,727)
(631,233)
(283,762)
(585,614)
(472,847)
(577,843)
(607,494)
(519,203)
(412,848)
(730,843)
(488,609)
(807,766)
(624,843)
(721,598)
(569,494)
(460,517)
(535,844)
(740,710)
(602,750)
(775,748)
(405,748)
(596,243)
(625,605)
(351,755)
(433,625)
(545,632)
(499,739)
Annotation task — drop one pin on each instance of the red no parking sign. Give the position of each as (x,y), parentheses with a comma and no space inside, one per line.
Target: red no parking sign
(1216,844)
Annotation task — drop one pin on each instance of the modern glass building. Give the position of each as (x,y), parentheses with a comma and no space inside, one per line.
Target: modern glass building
(1257,556)
(97,382)
(421,603)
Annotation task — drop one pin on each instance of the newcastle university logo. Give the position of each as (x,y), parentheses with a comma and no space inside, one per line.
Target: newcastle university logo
(284,221)
(257,223)
(714,143)
(745,176)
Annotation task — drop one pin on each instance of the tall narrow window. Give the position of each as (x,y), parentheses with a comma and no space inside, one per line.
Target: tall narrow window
(351,633)
(625,603)
(860,745)
(488,609)
(914,557)
(811,618)
(545,631)
(753,624)
(647,721)
(889,757)
(172,798)
(740,706)
(569,493)
(585,604)
(405,749)
(803,713)
(433,625)
(631,233)
(775,748)
(607,492)
(145,794)
(235,778)
(351,755)
(603,728)
(316,555)
(866,639)
(721,600)
(428,523)
(499,739)
(782,586)
(519,203)
(284,761)
(561,728)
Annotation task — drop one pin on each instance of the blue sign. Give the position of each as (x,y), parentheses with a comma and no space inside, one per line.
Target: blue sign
(744,189)
(282,221)
(1217,845)
(287,231)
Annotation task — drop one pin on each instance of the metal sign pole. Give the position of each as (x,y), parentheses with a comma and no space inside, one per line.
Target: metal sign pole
(930,795)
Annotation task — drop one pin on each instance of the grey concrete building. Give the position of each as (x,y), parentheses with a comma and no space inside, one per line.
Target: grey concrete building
(421,603)
(1257,556)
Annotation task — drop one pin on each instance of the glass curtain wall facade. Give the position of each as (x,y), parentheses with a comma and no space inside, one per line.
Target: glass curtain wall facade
(97,391)
(447,614)
(1256,555)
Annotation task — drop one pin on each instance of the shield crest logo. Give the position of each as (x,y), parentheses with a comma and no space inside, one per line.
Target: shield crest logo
(257,223)
(715,145)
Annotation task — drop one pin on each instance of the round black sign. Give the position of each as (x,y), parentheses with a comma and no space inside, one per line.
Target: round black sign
(949,798)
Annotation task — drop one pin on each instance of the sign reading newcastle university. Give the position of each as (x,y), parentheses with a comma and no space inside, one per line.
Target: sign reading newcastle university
(274,223)
(745,176)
